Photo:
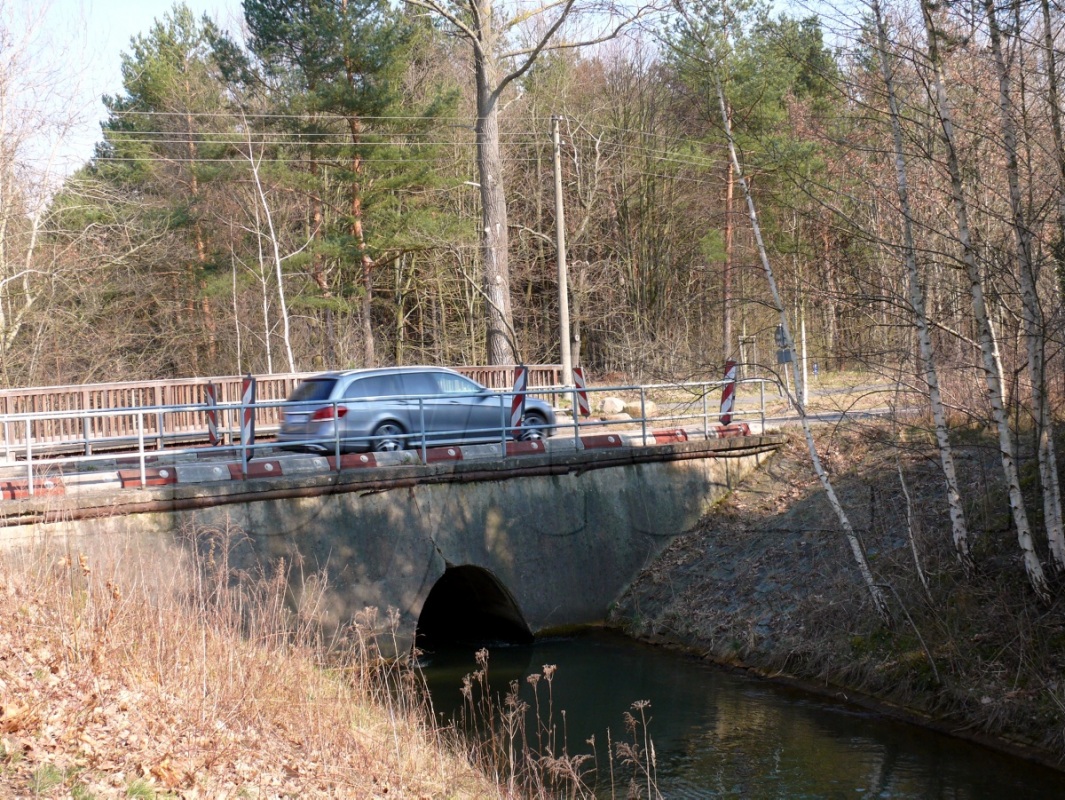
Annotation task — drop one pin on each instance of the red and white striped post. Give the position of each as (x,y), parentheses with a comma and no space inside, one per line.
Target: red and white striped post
(584,408)
(728,393)
(517,402)
(247,421)
(210,394)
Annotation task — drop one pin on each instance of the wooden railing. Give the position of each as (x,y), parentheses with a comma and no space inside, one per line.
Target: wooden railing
(81,416)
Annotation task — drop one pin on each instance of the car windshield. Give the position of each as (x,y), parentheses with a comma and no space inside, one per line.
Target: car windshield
(313,389)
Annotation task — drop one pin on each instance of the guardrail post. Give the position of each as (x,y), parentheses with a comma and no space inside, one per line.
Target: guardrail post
(336,434)
(706,412)
(421,419)
(140,447)
(158,391)
(643,414)
(761,402)
(502,426)
(575,405)
(29,459)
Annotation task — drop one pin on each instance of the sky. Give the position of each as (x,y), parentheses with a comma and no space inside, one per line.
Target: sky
(89,36)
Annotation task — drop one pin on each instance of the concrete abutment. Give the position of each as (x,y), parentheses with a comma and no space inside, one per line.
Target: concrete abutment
(515,546)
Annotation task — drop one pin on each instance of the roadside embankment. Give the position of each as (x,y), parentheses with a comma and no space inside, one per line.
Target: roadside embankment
(767,581)
(127,674)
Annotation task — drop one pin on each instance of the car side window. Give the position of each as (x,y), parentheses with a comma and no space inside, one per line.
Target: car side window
(418,384)
(374,386)
(457,384)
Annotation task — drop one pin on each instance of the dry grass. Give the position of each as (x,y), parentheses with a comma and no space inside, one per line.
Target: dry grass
(525,745)
(125,674)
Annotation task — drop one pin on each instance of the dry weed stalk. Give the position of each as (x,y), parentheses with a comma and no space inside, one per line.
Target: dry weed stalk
(538,764)
(127,669)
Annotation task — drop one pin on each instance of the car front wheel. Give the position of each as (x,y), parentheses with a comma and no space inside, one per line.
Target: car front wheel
(388,437)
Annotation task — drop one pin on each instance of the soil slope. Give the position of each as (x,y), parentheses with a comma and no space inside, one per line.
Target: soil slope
(767,582)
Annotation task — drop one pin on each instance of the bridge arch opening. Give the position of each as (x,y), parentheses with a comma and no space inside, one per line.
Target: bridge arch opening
(469,605)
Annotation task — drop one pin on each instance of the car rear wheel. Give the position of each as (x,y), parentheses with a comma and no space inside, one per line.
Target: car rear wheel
(388,437)
(531,430)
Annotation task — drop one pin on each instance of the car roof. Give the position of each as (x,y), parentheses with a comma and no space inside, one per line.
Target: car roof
(362,371)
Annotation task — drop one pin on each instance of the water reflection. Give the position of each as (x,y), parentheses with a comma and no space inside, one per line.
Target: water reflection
(719,734)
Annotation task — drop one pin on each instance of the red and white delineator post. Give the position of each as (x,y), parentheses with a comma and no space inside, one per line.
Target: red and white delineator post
(247,421)
(584,408)
(728,393)
(210,395)
(517,402)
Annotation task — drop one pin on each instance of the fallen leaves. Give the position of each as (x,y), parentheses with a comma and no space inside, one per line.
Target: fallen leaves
(110,688)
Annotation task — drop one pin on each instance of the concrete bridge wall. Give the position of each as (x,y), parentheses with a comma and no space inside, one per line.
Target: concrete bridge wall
(561,534)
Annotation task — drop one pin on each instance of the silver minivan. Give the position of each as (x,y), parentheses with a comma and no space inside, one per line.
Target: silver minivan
(398,407)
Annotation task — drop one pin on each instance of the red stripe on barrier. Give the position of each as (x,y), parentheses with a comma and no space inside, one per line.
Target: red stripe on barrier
(664,437)
(735,429)
(256,469)
(437,454)
(602,440)
(353,461)
(19,490)
(153,476)
(525,448)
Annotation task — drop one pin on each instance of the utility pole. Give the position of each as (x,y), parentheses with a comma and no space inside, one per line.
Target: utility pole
(563,280)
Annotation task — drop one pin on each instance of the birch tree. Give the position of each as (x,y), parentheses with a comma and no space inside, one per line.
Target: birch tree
(917,302)
(992,366)
(713,61)
(1031,310)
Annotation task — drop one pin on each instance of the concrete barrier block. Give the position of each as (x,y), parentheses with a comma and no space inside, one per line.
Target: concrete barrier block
(304,465)
(481,452)
(398,458)
(564,444)
(202,473)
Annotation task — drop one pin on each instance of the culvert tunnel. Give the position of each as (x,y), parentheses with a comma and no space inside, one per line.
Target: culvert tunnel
(469,605)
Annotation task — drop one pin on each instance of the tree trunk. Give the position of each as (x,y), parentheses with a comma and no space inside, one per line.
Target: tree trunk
(875,592)
(924,338)
(988,346)
(1032,312)
(501,344)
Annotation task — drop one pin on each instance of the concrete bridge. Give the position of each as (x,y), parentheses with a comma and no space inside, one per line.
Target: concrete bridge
(461,546)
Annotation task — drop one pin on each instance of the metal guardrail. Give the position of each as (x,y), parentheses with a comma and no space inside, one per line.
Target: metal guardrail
(71,418)
(682,403)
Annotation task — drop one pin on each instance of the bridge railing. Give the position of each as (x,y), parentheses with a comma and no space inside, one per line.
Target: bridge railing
(79,418)
(687,407)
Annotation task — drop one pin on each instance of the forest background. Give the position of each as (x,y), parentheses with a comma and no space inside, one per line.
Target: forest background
(303,193)
(352,182)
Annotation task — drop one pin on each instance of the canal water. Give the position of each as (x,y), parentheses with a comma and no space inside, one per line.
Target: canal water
(719,733)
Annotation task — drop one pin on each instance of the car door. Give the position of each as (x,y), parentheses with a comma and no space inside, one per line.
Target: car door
(371,400)
(423,394)
(468,408)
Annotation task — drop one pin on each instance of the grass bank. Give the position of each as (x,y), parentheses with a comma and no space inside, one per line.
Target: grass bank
(133,674)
